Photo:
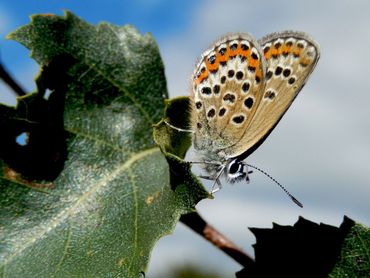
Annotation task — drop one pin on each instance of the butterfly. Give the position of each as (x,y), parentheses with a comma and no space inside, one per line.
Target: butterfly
(241,88)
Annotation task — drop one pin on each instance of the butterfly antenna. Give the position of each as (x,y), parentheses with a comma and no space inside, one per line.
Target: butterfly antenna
(177,128)
(298,203)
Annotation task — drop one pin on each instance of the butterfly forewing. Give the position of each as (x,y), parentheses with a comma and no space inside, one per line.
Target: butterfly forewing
(291,57)
(228,85)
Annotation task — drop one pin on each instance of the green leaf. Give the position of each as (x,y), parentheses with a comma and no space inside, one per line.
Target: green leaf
(89,193)
(355,254)
(167,133)
(174,143)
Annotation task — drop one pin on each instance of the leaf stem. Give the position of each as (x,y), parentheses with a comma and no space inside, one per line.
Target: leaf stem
(8,79)
(195,222)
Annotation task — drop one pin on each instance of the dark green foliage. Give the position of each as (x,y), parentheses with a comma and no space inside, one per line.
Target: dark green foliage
(90,193)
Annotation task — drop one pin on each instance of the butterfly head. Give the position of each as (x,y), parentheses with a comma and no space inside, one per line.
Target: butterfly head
(236,170)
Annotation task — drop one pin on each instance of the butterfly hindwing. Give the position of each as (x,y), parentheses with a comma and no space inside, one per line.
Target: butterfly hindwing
(290,57)
(227,88)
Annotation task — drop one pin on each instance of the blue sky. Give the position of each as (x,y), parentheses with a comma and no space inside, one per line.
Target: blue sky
(320,150)
(161,18)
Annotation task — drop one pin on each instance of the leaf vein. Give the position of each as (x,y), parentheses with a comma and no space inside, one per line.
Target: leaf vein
(93,138)
(115,84)
(65,250)
(136,212)
(67,212)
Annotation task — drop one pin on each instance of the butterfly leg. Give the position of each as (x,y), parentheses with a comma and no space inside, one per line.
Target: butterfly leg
(216,186)
(205,162)
(206,177)
(247,179)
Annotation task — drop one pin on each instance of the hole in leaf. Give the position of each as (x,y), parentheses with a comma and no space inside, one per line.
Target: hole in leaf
(22,139)
(47,94)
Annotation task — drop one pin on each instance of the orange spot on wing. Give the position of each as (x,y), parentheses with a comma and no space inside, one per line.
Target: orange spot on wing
(253,63)
(201,77)
(286,49)
(223,58)
(214,66)
(304,62)
(296,51)
(245,53)
(259,73)
(233,53)
(268,54)
(275,52)
(239,50)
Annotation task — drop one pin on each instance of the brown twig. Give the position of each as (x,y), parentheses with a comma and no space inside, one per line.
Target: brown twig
(4,75)
(195,222)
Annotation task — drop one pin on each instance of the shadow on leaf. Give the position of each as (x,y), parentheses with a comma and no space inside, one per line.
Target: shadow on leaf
(33,141)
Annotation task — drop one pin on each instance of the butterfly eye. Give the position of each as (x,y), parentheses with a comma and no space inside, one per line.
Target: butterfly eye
(235,167)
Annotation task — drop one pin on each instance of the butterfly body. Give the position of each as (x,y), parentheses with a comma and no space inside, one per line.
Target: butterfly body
(240,90)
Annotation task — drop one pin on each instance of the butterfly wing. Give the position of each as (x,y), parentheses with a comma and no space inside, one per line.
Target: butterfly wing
(291,57)
(227,87)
